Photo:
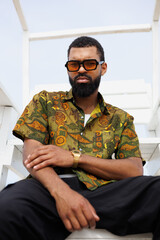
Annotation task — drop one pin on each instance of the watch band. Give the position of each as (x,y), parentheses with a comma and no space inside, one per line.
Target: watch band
(76,155)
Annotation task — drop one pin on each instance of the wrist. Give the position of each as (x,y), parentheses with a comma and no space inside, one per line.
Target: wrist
(76,157)
(58,192)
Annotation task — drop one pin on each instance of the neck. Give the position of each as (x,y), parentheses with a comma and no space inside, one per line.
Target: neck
(87,104)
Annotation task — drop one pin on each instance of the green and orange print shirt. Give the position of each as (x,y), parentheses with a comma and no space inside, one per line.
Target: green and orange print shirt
(53,118)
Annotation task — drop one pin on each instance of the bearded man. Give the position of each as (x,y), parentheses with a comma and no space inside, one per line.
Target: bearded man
(69,140)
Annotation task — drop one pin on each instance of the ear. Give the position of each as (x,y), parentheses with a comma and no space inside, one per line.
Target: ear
(104,68)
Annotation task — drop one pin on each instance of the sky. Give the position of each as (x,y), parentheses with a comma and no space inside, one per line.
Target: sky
(129,56)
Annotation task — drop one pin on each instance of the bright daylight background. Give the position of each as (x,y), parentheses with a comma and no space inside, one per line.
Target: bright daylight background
(129,56)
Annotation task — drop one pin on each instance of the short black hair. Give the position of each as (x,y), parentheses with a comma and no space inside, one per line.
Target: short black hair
(85,41)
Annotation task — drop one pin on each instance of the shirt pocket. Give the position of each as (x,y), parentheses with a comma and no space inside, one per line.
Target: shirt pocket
(104,144)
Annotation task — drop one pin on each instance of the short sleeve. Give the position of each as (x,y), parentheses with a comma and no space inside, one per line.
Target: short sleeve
(33,123)
(129,143)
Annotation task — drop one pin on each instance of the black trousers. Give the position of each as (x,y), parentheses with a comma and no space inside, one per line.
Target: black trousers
(132,205)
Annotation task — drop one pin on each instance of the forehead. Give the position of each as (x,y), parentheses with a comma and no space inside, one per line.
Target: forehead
(83,53)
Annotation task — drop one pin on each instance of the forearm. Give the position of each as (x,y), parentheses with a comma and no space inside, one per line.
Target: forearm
(111,168)
(50,180)
(46,176)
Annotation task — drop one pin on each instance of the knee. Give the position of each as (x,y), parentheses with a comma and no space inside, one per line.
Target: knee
(8,209)
(12,206)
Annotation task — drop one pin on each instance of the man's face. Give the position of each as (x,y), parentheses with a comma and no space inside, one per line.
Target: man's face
(83,82)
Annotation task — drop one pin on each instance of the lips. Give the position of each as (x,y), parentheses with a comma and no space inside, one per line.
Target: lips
(82,79)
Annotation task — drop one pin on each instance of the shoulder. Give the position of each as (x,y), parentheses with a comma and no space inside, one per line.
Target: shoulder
(46,96)
(118,112)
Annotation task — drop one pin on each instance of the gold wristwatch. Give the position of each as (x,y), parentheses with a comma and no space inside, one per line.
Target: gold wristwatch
(76,155)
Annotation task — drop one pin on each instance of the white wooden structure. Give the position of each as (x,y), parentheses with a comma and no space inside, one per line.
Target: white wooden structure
(146,109)
(10,154)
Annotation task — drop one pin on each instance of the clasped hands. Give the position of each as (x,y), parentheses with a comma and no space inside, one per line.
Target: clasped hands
(49,155)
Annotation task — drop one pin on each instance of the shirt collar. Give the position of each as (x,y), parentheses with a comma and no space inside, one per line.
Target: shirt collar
(102,104)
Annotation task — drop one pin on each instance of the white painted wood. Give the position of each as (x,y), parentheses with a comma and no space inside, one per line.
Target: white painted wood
(5,125)
(141,116)
(11,159)
(16,164)
(128,101)
(104,234)
(154,120)
(158,123)
(3,175)
(155,85)
(156,11)
(152,167)
(90,31)
(5,99)
(25,70)
(20,14)
(148,147)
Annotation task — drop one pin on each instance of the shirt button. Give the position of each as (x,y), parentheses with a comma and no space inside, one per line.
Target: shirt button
(82,117)
(80,149)
(81,133)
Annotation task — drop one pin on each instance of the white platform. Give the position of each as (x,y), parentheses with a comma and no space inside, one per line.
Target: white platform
(89,234)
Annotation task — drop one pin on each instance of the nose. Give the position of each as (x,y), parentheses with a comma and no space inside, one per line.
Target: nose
(81,69)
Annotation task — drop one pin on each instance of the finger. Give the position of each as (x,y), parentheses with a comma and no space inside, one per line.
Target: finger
(68,225)
(36,153)
(94,213)
(90,219)
(43,164)
(83,222)
(37,161)
(91,215)
(75,223)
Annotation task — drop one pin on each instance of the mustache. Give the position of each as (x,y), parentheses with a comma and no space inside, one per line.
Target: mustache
(82,75)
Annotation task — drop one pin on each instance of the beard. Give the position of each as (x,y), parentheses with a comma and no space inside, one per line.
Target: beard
(84,89)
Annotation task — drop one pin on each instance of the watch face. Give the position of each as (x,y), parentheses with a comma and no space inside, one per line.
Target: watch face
(76,151)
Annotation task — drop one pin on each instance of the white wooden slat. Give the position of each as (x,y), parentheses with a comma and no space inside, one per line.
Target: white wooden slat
(156,14)
(155,44)
(128,101)
(1,114)
(148,146)
(20,14)
(90,31)
(5,125)
(154,116)
(3,175)
(25,68)
(124,86)
(141,116)
(151,167)
(4,99)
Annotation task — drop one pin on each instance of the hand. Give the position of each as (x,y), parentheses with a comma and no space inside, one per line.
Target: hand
(49,155)
(75,211)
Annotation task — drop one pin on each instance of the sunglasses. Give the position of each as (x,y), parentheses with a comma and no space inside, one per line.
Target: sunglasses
(88,65)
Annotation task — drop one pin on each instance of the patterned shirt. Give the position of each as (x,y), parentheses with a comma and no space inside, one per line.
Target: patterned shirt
(54,118)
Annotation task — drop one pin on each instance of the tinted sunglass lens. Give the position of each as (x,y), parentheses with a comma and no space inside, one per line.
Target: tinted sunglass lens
(90,65)
(73,66)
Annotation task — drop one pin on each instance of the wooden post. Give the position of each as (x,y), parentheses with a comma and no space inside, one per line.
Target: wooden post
(155,33)
(26,87)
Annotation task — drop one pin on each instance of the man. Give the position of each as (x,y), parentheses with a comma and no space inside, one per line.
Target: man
(69,140)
